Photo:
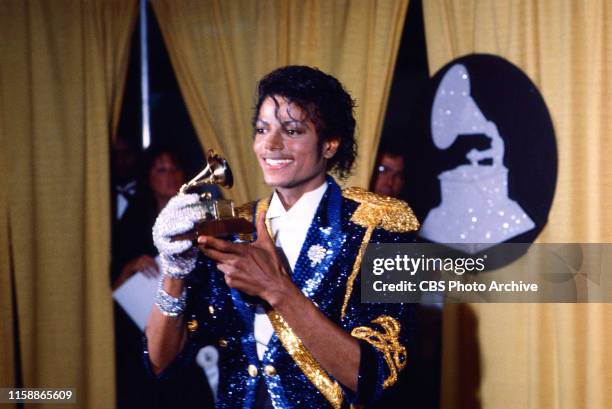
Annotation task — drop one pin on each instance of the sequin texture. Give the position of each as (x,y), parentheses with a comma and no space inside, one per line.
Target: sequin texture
(297,380)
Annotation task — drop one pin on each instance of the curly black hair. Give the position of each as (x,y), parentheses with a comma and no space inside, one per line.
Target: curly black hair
(325,101)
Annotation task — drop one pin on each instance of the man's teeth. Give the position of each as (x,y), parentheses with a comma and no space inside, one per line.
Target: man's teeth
(277,162)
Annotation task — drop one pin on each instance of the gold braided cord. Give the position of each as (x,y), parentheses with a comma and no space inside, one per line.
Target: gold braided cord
(296,349)
(386,342)
(356,266)
(375,211)
(391,214)
(305,361)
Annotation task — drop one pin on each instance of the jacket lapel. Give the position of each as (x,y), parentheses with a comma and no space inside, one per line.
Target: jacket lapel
(322,243)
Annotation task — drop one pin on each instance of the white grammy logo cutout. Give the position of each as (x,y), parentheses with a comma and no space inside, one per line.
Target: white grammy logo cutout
(475,212)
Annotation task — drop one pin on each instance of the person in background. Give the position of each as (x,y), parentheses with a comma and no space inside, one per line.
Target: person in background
(420,383)
(389,173)
(160,178)
(124,162)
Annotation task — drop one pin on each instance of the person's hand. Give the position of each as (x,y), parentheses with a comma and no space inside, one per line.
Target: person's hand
(177,258)
(255,268)
(144,264)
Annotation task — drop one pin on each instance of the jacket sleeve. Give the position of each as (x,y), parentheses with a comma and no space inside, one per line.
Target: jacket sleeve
(386,335)
(199,321)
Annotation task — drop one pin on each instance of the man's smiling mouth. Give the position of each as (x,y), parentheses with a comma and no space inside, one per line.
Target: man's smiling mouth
(277,163)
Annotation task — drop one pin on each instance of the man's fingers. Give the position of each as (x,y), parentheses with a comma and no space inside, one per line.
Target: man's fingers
(183,200)
(216,255)
(226,269)
(151,269)
(236,262)
(177,247)
(149,272)
(234,279)
(150,263)
(209,242)
(231,276)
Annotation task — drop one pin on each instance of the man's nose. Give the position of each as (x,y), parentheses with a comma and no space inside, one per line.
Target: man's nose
(387,180)
(274,141)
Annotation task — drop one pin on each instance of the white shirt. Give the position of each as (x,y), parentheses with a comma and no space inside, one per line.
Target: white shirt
(289,229)
(124,193)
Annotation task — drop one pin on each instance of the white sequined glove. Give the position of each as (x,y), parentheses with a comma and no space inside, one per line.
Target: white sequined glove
(177,258)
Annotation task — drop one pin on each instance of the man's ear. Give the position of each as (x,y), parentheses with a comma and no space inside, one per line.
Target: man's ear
(330,147)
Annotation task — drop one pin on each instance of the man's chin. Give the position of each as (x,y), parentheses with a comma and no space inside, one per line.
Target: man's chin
(274,181)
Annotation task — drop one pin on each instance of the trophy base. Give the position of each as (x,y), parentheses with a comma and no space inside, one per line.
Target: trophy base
(218,228)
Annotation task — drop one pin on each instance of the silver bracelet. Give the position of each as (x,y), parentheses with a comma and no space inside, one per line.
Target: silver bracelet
(168,305)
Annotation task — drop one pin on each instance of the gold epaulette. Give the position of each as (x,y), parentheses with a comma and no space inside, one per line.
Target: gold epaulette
(374,211)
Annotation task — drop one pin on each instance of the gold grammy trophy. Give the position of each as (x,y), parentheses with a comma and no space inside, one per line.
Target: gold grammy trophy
(220,219)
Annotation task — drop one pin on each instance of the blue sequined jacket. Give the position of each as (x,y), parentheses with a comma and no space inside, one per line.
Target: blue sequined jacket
(327,271)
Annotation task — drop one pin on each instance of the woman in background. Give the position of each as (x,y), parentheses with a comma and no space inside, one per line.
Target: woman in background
(161,177)
(162,174)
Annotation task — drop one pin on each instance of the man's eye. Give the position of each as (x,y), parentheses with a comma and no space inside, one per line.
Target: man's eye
(259,130)
(293,132)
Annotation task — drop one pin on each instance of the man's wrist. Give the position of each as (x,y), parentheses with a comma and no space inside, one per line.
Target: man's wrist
(173,286)
(278,297)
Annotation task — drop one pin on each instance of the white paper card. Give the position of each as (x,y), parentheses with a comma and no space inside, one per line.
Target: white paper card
(136,296)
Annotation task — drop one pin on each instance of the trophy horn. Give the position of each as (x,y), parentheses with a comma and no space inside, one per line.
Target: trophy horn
(216,172)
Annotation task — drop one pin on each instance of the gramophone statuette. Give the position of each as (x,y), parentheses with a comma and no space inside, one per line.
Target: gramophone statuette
(218,216)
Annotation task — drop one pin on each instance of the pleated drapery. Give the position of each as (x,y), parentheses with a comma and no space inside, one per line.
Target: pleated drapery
(220,49)
(62,71)
(539,355)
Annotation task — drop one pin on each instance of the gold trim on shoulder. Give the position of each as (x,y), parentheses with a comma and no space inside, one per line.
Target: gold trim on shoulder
(386,342)
(374,211)
(305,361)
(386,212)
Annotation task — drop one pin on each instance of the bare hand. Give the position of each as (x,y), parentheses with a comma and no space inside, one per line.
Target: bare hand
(255,268)
(145,264)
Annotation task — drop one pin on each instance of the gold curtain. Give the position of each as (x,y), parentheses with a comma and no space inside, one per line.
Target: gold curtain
(220,49)
(62,69)
(7,345)
(548,355)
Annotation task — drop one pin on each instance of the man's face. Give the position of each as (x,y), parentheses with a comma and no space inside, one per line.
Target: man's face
(389,175)
(124,161)
(287,147)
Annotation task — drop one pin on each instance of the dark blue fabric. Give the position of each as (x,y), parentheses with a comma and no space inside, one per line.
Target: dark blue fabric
(325,284)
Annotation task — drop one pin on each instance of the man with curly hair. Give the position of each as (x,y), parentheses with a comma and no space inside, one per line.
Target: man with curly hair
(285,309)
